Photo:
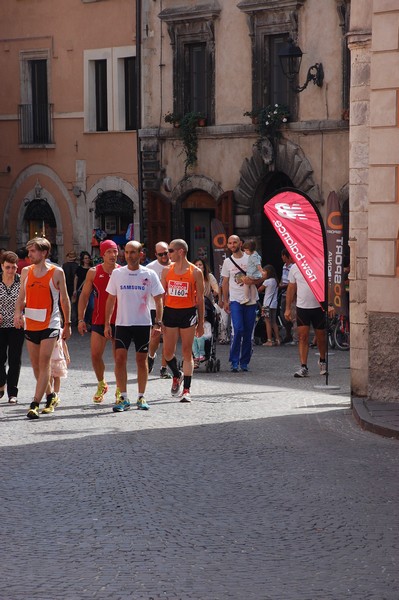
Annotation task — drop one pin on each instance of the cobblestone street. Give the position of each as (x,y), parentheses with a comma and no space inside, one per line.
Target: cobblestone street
(264,488)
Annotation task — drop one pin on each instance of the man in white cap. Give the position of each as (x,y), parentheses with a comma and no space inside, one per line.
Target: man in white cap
(97,279)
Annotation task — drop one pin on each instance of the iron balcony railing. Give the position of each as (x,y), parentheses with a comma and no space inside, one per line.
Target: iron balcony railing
(36,124)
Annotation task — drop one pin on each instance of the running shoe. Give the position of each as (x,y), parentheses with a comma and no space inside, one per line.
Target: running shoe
(102,389)
(52,401)
(142,404)
(302,372)
(33,412)
(185,396)
(165,373)
(176,384)
(12,400)
(322,367)
(121,404)
(151,360)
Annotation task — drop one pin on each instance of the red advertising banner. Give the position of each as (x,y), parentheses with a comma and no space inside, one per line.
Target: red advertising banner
(300,227)
(335,256)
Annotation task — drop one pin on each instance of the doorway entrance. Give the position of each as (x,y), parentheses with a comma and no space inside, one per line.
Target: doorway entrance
(199,210)
(271,243)
(40,222)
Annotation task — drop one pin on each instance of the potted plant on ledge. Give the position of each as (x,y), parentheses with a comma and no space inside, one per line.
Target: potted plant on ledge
(187,125)
(172,118)
(269,120)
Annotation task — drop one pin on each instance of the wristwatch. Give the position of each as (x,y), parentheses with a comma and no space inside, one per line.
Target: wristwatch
(159,323)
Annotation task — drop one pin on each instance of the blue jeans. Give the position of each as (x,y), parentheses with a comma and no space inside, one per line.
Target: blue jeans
(243,323)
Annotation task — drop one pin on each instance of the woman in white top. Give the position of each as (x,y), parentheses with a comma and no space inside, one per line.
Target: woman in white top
(211,286)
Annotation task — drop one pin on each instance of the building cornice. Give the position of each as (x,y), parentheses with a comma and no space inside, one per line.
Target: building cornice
(249,6)
(205,12)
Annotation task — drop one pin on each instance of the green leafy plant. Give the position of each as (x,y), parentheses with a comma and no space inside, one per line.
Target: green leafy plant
(189,137)
(269,119)
(172,118)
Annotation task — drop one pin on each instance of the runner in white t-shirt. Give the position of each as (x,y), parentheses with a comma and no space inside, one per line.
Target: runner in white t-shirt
(133,286)
(308,312)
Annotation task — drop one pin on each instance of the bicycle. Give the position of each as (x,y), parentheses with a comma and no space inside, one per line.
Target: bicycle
(341,333)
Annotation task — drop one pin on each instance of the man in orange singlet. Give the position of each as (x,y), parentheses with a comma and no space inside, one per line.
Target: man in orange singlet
(183,314)
(97,279)
(42,286)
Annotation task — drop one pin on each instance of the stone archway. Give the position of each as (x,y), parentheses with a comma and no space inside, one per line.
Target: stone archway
(187,186)
(289,159)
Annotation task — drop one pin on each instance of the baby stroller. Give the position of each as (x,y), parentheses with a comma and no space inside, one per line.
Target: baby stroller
(212,364)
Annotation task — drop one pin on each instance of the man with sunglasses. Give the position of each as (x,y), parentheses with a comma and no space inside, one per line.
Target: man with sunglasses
(183,314)
(162,260)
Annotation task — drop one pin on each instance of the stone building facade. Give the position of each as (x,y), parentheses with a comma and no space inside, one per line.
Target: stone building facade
(237,47)
(374,195)
(68,152)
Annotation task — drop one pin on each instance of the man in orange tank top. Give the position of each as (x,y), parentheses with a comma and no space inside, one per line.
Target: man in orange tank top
(97,279)
(42,286)
(183,314)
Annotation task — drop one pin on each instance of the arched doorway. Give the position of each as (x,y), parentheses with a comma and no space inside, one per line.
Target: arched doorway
(115,211)
(271,243)
(40,221)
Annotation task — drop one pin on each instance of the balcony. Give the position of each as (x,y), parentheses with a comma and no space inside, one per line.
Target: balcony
(36,124)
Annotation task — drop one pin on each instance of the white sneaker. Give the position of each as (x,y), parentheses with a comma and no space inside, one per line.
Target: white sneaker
(323,367)
(185,396)
(302,372)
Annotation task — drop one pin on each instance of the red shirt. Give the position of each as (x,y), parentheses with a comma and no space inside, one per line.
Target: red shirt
(100,283)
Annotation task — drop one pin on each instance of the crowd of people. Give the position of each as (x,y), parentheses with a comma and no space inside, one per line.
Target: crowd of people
(126,298)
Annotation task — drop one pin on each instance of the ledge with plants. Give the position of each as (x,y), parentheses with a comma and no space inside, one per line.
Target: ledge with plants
(269,120)
(187,125)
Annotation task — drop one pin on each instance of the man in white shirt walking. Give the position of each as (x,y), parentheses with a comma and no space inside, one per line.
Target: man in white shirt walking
(308,312)
(242,315)
(133,287)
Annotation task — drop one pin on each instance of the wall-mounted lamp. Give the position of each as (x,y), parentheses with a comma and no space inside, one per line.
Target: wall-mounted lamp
(290,59)
(77,191)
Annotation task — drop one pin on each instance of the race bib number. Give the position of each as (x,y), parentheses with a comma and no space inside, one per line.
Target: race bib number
(178,289)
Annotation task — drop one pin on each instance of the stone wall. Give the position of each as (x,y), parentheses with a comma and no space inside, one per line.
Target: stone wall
(383,363)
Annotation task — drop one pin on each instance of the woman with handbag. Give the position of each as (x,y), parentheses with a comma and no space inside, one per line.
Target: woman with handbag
(11,339)
(269,309)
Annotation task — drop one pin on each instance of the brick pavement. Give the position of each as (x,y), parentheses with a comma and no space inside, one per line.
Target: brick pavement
(263,488)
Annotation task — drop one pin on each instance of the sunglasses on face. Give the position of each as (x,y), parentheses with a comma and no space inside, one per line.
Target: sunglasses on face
(162,253)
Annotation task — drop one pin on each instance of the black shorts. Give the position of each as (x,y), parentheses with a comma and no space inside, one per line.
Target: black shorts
(140,334)
(311,316)
(44,334)
(100,329)
(179,317)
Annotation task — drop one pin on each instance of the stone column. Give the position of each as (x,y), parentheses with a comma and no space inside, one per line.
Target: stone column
(360,47)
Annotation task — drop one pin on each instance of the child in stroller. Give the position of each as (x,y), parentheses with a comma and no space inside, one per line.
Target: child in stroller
(204,347)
